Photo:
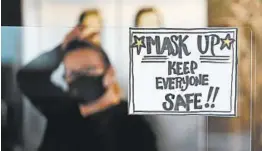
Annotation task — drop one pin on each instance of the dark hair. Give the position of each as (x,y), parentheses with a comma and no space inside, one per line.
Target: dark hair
(86,13)
(78,44)
(141,12)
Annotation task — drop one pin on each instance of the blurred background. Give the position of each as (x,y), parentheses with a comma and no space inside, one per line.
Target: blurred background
(31,27)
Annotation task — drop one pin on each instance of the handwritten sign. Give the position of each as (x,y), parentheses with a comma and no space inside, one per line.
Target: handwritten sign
(183,71)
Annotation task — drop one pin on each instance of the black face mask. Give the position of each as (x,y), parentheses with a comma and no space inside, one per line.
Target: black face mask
(87,88)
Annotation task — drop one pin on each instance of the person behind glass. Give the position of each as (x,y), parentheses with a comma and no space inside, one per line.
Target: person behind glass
(147,17)
(91,21)
(90,115)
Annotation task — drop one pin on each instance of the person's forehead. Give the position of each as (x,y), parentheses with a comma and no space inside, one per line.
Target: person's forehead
(87,55)
(90,18)
(148,19)
(148,14)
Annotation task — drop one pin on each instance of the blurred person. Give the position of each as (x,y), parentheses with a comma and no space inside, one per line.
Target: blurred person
(91,20)
(4,126)
(246,15)
(8,142)
(3,113)
(148,17)
(90,115)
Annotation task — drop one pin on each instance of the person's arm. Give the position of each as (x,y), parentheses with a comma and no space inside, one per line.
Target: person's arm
(34,81)
(135,129)
(142,136)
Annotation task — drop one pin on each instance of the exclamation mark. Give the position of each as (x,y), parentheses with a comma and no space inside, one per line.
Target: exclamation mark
(214,98)
(208,97)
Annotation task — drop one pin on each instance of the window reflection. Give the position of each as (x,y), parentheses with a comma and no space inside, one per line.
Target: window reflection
(92,21)
(148,17)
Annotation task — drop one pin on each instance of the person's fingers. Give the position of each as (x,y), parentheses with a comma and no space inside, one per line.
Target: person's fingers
(115,99)
(74,33)
(81,32)
(88,33)
(110,77)
(71,35)
(110,98)
(109,80)
(113,96)
(81,27)
(87,110)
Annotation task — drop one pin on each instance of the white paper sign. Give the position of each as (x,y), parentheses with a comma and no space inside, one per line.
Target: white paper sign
(183,71)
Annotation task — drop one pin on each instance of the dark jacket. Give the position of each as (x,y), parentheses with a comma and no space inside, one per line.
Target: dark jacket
(67,130)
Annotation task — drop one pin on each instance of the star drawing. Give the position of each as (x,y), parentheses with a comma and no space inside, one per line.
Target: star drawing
(139,43)
(227,42)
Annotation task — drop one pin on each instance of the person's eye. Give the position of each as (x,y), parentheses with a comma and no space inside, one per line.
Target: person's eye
(75,74)
(90,69)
